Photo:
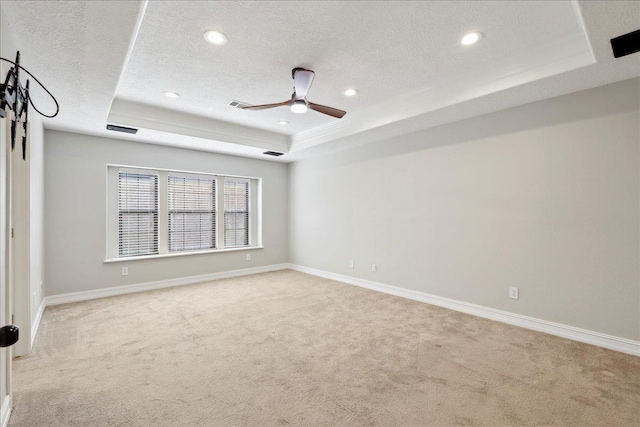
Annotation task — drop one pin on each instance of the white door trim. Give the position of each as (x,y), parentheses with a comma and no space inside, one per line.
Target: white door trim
(5,411)
(20,286)
(6,297)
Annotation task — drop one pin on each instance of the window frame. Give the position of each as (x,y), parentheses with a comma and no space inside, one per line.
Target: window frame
(112,241)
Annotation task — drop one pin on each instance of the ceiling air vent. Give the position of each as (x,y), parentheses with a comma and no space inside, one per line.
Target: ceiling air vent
(122,129)
(273,153)
(238,104)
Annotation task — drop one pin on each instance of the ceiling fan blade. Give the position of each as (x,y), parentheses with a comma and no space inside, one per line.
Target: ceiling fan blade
(330,111)
(302,80)
(265,106)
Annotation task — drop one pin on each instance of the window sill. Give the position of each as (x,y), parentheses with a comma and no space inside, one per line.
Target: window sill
(170,255)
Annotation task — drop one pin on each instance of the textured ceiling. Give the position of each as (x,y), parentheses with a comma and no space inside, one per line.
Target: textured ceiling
(77,49)
(381,48)
(404,57)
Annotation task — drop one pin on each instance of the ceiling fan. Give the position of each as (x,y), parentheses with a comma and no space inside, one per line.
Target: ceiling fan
(302,80)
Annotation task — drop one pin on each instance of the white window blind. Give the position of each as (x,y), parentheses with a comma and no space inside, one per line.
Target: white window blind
(137,213)
(192,213)
(236,213)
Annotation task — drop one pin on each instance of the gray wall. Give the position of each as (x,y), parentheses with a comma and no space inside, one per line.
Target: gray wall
(544,197)
(75,221)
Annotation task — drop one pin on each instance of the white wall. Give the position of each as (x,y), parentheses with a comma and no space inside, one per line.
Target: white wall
(75,220)
(543,196)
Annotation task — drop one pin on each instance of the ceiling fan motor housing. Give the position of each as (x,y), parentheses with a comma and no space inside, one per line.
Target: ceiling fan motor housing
(303,79)
(293,72)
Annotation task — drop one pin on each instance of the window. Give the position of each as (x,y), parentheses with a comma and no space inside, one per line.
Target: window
(137,214)
(192,213)
(236,212)
(165,213)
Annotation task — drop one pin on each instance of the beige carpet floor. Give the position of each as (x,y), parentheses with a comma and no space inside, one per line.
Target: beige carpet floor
(285,348)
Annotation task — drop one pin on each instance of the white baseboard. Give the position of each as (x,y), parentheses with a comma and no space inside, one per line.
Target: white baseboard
(140,287)
(36,323)
(5,411)
(611,342)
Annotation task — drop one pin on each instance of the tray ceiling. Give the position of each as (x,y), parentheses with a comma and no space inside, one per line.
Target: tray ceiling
(111,61)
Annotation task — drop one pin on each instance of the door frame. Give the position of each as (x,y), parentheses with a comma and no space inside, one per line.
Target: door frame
(19,253)
(6,264)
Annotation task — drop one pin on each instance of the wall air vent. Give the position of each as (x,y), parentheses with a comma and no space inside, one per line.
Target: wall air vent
(122,129)
(238,104)
(273,153)
(626,44)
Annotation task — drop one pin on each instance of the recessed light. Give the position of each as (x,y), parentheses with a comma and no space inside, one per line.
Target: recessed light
(215,37)
(170,94)
(299,106)
(351,92)
(471,38)
(283,122)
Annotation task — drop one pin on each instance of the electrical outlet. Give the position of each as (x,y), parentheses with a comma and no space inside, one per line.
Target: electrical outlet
(351,264)
(513,292)
(248,257)
(125,271)
(374,268)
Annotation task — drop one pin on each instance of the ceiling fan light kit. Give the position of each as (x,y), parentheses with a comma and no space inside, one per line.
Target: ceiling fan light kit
(299,107)
(302,79)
